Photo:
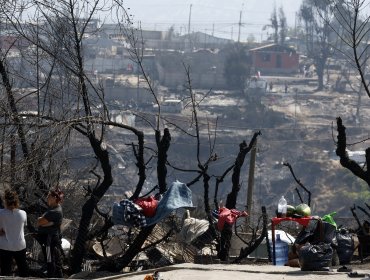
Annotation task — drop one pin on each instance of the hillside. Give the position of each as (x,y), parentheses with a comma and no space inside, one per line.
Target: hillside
(306,140)
(298,127)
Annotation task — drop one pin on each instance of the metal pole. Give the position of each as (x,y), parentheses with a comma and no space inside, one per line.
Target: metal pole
(240,24)
(251,182)
(295,107)
(189,19)
(189,39)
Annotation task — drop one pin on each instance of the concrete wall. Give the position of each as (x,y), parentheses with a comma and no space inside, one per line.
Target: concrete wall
(125,94)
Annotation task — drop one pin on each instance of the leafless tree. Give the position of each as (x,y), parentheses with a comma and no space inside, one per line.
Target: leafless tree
(66,109)
(57,40)
(354,21)
(226,233)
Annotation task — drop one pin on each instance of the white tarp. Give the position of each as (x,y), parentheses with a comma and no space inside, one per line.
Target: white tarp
(192,228)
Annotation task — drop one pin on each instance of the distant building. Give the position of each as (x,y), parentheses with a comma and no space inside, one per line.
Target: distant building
(206,69)
(124,88)
(109,52)
(164,40)
(151,39)
(275,59)
(9,41)
(200,40)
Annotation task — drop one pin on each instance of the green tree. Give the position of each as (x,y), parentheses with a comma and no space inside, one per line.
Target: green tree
(283,27)
(275,25)
(278,23)
(317,19)
(237,67)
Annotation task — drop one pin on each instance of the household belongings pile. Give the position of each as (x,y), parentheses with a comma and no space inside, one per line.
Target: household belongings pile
(315,245)
(192,228)
(149,211)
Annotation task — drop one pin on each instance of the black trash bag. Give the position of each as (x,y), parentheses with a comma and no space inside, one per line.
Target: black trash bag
(346,246)
(306,234)
(316,232)
(315,256)
(329,234)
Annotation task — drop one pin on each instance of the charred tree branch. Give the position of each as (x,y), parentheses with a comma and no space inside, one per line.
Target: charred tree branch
(299,183)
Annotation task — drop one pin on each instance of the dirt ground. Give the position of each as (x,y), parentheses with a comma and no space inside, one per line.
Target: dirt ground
(248,266)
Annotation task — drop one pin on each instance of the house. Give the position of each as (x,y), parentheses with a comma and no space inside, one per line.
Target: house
(275,59)
(11,42)
(200,40)
(206,68)
(124,87)
(151,39)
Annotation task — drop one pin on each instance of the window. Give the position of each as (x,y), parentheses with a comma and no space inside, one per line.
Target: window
(266,57)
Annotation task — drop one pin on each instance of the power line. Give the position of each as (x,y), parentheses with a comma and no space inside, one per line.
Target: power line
(201,23)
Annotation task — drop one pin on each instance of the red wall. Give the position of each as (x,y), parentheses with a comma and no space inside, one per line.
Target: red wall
(289,61)
(8,41)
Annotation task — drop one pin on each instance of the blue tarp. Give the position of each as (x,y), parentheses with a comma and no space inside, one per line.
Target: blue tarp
(177,196)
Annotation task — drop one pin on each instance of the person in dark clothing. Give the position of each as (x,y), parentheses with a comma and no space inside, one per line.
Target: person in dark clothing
(49,233)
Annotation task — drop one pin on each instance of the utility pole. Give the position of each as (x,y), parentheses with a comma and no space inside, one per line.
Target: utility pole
(189,39)
(189,19)
(251,183)
(240,25)
(240,22)
(295,31)
(295,106)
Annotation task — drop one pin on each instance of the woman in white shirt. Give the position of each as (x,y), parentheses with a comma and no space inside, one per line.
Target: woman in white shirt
(12,242)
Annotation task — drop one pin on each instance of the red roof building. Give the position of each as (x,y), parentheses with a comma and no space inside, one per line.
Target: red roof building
(275,59)
(12,42)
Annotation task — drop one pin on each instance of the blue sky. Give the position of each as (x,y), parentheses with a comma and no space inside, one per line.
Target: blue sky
(219,17)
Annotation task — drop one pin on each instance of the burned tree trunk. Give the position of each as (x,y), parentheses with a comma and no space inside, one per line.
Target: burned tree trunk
(163,144)
(78,251)
(32,171)
(226,232)
(345,161)
(300,184)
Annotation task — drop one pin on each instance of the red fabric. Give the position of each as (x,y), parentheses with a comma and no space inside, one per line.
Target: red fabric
(148,204)
(304,221)
(228,216)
